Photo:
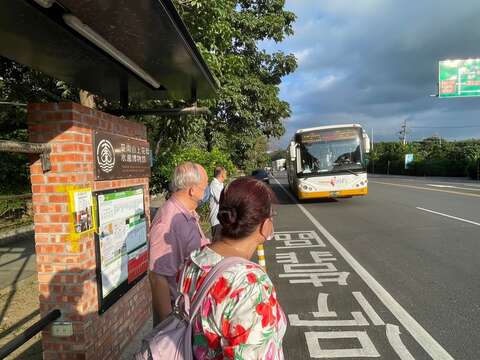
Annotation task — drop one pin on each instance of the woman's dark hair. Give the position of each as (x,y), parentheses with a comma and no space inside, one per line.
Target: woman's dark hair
(244,204)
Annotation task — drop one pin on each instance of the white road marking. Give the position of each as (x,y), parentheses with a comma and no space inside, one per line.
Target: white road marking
(371,313)
(323,310)
(425,188)
(452,187)
(367,348)
(393,336)
(427,180)
(449,216)
(358,320)
(431,346)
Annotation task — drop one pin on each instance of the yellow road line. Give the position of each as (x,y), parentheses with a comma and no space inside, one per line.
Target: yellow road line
(424,188)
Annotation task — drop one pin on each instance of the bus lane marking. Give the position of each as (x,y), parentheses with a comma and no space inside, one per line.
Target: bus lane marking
(367,349)
(424,339)
(393,336)
(365,305)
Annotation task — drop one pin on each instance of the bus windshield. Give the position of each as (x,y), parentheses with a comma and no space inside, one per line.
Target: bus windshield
(329,151)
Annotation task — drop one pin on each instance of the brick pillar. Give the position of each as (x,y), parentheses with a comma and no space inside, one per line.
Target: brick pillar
(66,273)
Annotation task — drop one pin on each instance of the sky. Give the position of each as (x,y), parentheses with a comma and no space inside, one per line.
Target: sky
(375,62)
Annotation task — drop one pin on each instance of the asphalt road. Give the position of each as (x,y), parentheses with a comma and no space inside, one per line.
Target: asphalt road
(393,275)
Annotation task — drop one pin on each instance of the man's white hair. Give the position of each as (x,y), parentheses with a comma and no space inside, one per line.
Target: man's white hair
(185,175)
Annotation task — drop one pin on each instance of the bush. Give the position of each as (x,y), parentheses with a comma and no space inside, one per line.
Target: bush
(438,167)
(473,169)
(164,166)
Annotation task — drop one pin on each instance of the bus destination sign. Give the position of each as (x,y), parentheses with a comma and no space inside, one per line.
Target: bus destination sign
(329,135)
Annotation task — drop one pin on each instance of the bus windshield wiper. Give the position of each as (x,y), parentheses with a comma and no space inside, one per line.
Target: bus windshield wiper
(351,172)
(347,170)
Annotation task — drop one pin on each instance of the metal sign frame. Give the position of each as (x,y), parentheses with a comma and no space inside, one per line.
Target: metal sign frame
(111,298)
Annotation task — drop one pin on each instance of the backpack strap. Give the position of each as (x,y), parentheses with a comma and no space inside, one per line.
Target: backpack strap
(210,279)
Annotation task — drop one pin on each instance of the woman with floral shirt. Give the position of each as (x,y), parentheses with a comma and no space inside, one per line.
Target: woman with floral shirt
(240,317)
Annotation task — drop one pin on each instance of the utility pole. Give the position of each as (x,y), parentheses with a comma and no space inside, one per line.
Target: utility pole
(403,132)
(372,155)
(371,147)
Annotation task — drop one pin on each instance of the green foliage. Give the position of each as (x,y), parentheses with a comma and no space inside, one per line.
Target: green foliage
(20,84)
(247,105)
(432,157)
(473,169)
(12,208)
(256,157)
(165,165)
(245,112)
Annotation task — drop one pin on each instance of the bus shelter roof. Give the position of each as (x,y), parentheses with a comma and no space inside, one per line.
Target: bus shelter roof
(115,48)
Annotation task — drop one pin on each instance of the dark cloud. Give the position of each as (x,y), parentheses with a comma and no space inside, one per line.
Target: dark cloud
(375,62)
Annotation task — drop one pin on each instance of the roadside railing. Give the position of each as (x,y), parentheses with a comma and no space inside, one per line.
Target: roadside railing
(33,330)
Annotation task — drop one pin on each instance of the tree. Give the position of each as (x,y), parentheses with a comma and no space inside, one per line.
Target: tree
(256,157)
(247,105)
(278,154)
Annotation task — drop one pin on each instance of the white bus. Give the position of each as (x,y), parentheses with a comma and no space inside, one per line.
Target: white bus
(328,162)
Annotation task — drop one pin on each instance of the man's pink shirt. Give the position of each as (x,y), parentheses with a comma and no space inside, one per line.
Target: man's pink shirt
(175,233)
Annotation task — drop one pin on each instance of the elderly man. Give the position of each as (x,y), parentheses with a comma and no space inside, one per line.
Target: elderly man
(216,187)
(175,232)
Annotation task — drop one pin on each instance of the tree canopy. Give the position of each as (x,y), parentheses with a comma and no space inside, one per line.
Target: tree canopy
(245,112)
(228,34)
(431,157)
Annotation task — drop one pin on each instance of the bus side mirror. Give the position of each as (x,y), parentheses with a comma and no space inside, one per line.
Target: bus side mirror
(366,142)
(292,151)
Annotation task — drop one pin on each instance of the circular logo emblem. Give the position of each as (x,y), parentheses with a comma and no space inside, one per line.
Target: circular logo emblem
(105,156)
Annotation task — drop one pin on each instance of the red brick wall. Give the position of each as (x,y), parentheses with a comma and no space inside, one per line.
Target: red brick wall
(67,278)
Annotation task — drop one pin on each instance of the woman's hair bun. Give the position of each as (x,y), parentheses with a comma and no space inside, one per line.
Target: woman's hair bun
(227,216)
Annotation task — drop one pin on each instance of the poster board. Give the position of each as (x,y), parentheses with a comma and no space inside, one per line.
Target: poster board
(81,214)
(120,241)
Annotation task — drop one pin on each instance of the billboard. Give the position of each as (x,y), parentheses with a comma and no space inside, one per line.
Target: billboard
(121,242)
(459,78)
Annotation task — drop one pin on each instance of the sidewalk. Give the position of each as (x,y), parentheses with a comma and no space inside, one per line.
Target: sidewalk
(135,344)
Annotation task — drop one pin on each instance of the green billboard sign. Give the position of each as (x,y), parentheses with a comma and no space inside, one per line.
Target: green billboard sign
(459,78)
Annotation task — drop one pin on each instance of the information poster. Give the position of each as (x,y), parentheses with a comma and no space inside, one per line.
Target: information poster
(81,210)
(121,242)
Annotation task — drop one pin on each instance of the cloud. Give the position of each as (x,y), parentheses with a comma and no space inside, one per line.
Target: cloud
(375,61)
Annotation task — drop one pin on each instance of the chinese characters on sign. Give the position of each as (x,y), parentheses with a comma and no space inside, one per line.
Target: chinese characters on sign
(329,331)
(119,157)
(459,78)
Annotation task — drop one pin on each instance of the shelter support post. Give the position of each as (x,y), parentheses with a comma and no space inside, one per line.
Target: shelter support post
(66,255)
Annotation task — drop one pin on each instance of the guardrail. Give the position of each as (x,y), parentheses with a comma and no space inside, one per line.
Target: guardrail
(33,330)
(14,197)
